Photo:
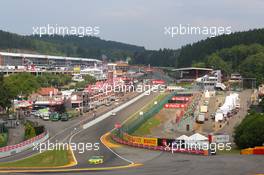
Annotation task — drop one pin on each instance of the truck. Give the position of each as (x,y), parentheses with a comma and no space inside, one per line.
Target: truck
(201,117)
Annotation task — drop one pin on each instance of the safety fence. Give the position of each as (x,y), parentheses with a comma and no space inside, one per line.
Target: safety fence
(123,135)
(188,117)
(152,109)
(14,149)
(160,144)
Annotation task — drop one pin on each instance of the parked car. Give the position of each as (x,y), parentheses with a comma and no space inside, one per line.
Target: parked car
(35,113)
(45,117)
(108,104)
(44,113)
(96,160)
(55,116)
(64,117)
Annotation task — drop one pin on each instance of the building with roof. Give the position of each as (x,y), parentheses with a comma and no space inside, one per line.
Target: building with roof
(211,81)
(22,59)
(191,73)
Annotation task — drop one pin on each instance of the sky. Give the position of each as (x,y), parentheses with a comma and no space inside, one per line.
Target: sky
(139,22)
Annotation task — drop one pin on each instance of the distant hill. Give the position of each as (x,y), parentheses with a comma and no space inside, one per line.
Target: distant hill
(194,53)
(87,46)
(191,54)
(162,57)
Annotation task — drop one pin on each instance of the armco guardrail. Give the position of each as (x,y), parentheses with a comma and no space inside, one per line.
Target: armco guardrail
(14,149)
(159,148)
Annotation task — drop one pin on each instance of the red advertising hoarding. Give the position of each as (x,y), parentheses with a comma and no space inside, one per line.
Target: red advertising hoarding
(158,82)
(174,105)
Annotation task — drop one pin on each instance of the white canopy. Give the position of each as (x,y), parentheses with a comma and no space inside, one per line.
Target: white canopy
(207,94)
(230,103)
(198,137)
(183,137)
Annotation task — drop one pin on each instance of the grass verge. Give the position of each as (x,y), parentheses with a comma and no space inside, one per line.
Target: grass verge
(231,152)
(52,158)
(146,127)
(145,108)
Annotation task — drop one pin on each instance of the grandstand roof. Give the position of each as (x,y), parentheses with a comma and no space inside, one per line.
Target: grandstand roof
(24,55)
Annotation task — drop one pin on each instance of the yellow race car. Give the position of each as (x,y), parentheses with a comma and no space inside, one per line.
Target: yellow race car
(96,160)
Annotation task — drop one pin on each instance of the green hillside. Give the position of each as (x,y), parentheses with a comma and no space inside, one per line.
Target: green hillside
(197,52)
(87,46)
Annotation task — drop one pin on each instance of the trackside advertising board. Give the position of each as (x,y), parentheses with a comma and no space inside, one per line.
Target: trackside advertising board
(140,140)
(174,105)
(150,141)
(158,82)
(220,138)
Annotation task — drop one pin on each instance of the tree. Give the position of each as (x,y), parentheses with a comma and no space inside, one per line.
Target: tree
(253,66)
(2,140)
(216,62)
(199,64)
(250,132)
(5,98)
(88,79)
(29,131)
(21,84)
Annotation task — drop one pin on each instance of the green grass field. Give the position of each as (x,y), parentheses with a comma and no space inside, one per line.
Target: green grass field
(146,127)
(45,159)
(146,108)
(231,152)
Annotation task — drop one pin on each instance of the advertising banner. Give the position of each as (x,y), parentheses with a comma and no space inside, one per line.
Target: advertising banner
(173,105)
(150,141)
(137,140)
(158,82)
(220,138)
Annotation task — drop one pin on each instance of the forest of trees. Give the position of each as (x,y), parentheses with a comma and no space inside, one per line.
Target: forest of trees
(95,47)
(238,52)
(88,46)
(196,52)
(162,57)
(245,59)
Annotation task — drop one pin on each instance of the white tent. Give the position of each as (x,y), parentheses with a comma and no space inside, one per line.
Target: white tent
(198,137)
(207,94)
(183,137)
(230,103)
(219,116)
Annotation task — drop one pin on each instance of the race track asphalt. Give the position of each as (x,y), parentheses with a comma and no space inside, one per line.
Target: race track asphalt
(161,163)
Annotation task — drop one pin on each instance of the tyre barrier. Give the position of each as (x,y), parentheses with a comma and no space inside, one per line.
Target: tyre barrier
(158,148)
(14,149)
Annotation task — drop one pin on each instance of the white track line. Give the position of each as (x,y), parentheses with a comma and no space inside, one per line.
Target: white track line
(129,161)
(104,116)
